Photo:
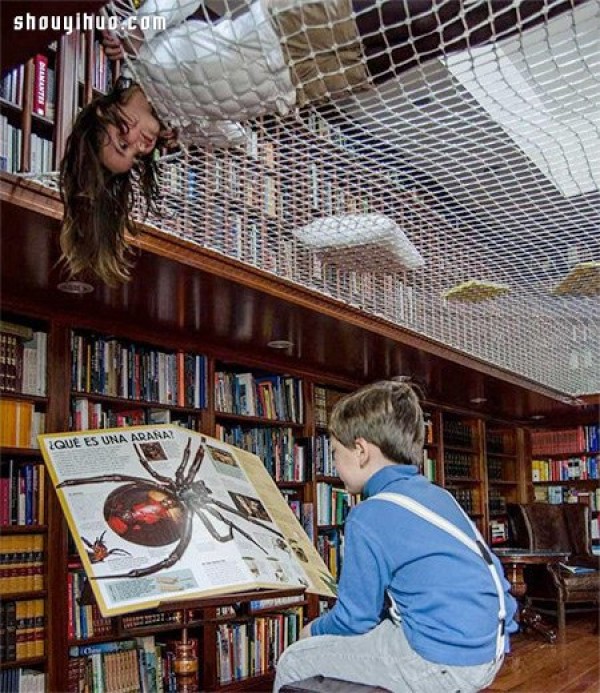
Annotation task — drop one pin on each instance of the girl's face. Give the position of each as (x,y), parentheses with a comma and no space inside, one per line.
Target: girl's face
(136,138)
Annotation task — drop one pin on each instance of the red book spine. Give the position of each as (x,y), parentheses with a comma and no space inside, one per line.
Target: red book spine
(40,84)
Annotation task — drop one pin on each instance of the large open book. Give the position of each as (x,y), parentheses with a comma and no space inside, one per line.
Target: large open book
(161,513)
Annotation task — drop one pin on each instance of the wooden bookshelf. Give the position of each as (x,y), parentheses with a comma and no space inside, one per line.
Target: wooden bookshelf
(189,299)
(564,464)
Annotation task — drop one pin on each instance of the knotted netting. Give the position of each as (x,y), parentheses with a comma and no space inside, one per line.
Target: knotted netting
(432,162)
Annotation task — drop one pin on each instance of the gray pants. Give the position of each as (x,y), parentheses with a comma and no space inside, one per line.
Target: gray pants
(381,657)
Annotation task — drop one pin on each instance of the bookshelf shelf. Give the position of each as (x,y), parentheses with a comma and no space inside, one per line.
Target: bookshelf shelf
(329,479)
(290,484)
(563,455)
(459,448)
(42,121)
(128,403)
(23,529)
(461,480)
(27,662)
(327,528)
(502,482)
(21,596)
(501,455)
(568,482)
(6,103)
(257,420)
(20,452)
(250,683)
(35,399)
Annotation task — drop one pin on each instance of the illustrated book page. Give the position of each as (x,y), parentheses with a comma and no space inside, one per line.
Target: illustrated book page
(161,513)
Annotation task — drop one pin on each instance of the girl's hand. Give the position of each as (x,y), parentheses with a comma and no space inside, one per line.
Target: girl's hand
(115,47)
(112,46)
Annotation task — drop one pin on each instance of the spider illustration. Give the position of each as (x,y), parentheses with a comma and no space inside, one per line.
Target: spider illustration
(160,511)
(99,550)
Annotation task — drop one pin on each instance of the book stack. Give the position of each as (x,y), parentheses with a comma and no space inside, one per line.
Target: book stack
(85,620)
(22,681)
(22,359)
(22,494)
(22,629)
(109,666)
(20,424)
(566,441)
(21,563)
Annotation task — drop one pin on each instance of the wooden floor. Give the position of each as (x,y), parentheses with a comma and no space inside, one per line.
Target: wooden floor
(535,666)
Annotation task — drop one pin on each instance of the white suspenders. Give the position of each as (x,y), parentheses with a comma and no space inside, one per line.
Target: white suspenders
(476,545)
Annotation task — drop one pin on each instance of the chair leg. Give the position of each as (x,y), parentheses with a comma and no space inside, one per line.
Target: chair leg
(561,619)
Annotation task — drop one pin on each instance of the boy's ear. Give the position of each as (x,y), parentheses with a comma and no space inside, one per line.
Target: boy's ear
(361,448)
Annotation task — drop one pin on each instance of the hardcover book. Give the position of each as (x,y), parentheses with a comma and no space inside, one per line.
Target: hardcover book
(161,513)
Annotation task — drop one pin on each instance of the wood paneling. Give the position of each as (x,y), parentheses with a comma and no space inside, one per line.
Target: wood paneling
(208,302)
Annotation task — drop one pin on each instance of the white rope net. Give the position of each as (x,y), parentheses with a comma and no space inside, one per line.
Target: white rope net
(456,194)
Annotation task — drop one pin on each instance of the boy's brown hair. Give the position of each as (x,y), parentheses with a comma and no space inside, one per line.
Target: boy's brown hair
(387,414)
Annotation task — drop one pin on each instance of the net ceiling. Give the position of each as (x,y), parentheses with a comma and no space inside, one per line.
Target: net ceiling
(458,197)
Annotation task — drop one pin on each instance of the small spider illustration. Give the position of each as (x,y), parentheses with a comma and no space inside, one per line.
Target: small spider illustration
(99,550)
(160,511)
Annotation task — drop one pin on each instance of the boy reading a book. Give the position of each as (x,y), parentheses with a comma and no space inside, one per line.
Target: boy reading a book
(422,603)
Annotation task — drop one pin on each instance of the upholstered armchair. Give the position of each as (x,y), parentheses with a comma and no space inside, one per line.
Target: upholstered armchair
(566,527)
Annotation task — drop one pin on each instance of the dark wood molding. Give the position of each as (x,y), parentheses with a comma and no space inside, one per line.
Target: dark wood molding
(208,302)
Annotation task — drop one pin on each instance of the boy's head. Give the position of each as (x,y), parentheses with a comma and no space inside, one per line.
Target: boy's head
(386,414)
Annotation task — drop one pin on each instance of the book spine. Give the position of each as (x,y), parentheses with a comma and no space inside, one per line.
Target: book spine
(40,84)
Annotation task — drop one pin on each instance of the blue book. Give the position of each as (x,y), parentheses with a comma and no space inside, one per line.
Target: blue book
(102,648)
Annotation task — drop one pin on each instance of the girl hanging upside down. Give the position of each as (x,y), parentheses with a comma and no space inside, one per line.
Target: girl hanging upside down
(205,78)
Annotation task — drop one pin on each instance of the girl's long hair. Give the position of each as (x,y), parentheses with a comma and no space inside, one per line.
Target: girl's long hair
(98,204)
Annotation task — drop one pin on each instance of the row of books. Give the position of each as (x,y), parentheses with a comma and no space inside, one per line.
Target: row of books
(457,433)
(283,457)
(498,443)
(21,680)
(496,502)
(333,504)
(253,647)
(468,499)
(41,154)
(87,414)
(11,144)
(22,629)
(566,441)
(273,397)
(21,563)
(330,545)
(23,359)
(20,423)
(458,464)
(499,469)
(11,86)
(22,494)
(84,619)
(570,468)
(568,494)
(102,70)
(323,456)
(108,366)
(429,466)
(125,666)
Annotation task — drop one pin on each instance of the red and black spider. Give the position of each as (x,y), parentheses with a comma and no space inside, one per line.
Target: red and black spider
(159,512)
(99,550)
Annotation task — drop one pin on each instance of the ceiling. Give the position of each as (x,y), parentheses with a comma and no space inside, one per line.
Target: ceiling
(203,301)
